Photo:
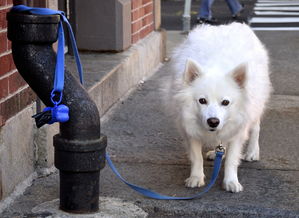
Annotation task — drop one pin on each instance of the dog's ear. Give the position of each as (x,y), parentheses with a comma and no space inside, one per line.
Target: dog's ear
(239,74)
(192,71)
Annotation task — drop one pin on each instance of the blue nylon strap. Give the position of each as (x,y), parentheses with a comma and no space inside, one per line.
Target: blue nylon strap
(155,195)
(59,70)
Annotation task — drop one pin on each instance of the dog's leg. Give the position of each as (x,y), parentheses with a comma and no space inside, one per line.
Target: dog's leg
(233,154)
(197,176)
(253,150)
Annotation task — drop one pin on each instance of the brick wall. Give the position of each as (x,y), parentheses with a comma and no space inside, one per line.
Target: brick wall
(15,95)
(142,18)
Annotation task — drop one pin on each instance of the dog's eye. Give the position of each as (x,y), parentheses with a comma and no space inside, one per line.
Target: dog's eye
(225,102)
(202,101)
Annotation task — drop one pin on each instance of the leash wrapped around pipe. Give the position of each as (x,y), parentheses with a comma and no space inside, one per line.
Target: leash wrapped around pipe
(57,113)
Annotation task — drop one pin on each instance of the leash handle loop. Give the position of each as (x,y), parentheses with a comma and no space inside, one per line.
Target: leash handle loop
(58,113)
(59,70)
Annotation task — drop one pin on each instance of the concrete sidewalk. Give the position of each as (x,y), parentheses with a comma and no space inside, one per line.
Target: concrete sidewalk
(148,151)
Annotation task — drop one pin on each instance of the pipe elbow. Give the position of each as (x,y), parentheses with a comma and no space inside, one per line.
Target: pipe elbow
(32,37)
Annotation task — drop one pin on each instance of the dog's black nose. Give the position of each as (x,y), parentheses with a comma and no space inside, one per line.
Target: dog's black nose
(213,122)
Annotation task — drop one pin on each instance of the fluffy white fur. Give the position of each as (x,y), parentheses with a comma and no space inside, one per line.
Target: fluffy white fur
(223,64)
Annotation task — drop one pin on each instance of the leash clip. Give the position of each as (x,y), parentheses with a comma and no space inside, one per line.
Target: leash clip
(220,148)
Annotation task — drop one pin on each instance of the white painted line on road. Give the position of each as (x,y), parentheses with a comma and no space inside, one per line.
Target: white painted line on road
(278,1)
(276,4)
(275,13)
(277,8)
(275,28)
(275,20)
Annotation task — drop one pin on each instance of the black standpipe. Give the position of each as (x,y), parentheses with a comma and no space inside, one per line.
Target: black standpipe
(80,146)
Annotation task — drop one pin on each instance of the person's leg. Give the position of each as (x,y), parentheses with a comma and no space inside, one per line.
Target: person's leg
(234,6)
(205,9)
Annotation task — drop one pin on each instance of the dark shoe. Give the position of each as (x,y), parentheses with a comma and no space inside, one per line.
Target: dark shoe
(238,15)
(202,20)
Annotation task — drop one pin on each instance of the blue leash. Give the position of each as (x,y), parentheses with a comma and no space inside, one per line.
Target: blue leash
(151,194)
(59,113)
(59,70)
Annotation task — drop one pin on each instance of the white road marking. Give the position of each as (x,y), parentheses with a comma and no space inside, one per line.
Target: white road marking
(277,8)
(275,20)
(275,28)
(275,13)
(276,4)
(268,12)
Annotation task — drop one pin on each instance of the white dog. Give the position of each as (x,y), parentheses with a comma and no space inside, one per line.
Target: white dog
(218,93)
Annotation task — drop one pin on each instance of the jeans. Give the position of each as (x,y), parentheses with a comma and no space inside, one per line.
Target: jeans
(206,5)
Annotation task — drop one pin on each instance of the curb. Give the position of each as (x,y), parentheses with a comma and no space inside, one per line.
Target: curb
(140,62)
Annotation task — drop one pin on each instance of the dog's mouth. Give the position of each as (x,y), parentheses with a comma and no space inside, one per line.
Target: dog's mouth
(212,130)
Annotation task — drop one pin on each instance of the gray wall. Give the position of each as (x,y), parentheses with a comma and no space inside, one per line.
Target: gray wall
(102,25)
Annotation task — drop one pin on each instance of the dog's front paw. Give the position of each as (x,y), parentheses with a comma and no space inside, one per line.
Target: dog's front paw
(194,181)
(210,155)
(253,156)
(232,186)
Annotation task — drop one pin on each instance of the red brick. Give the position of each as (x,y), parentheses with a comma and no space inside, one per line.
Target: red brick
(135,38)
(136,26)
(3,42)
(135,15)
(27,96)
(8,45)
(3,22)
(151,27)
(146,1)
(9,2)
(6,63)
(2,122)
(144,32)
(20,2)
(16,103)
(141,12)
(10,107)
(15,81)
(136,4)
(3,87)
(147,20)
(2,3)
(148,8)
